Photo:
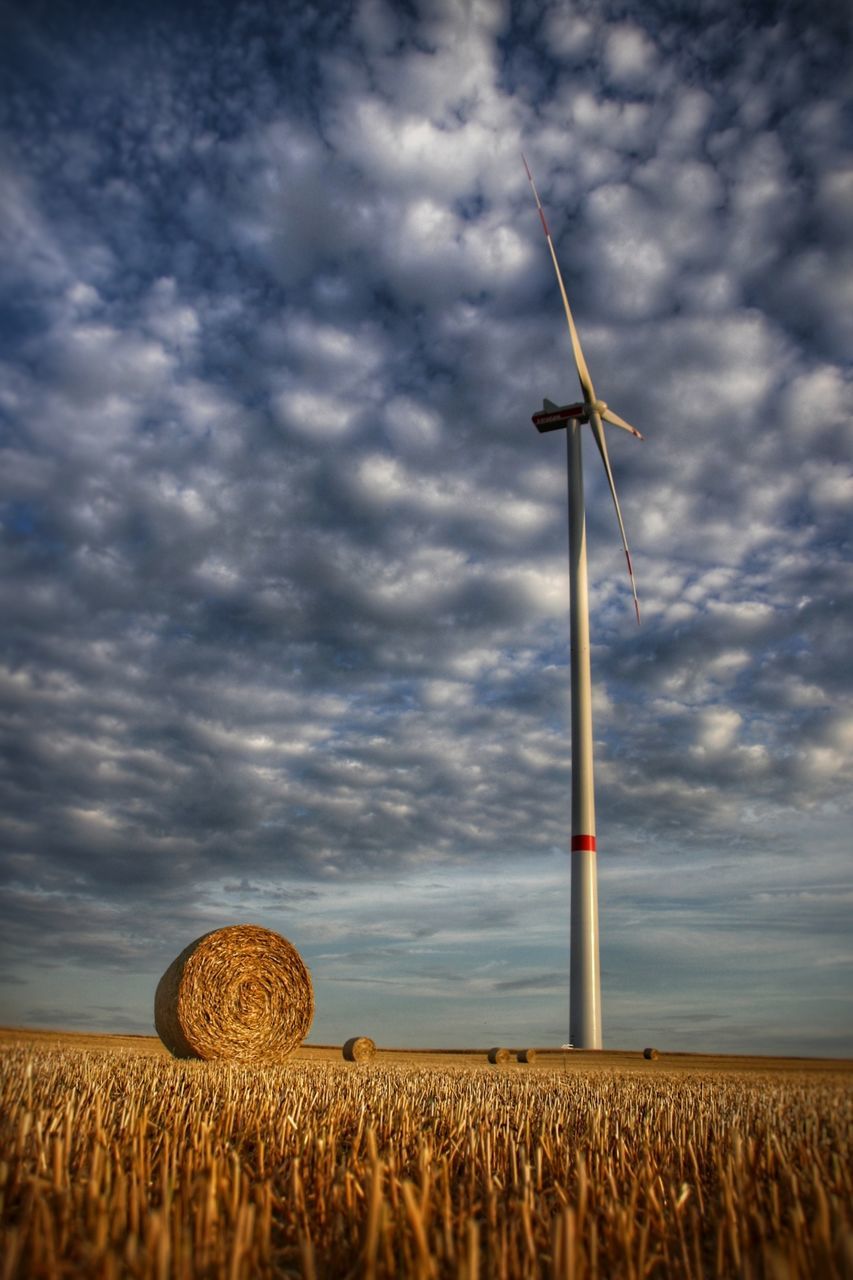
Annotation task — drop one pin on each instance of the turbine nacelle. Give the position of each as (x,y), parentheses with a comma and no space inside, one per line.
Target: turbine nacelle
(552,417)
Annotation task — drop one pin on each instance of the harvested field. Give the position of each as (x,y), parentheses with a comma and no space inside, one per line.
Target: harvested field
(125,1163)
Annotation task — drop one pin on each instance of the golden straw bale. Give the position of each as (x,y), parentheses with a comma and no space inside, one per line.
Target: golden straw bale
(242,994)
(499,1055)
(359,1049)
(651,1054)
(526,1055)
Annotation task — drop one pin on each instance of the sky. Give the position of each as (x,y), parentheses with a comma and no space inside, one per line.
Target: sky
(284,561)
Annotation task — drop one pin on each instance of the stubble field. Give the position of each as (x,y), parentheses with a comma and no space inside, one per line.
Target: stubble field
(119,1161)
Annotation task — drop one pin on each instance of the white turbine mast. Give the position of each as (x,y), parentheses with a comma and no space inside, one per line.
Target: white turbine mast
(585,967)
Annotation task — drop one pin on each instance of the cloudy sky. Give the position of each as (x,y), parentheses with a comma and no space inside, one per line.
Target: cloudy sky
(284,584)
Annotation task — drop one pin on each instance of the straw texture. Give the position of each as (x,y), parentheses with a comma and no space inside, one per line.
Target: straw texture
(526,1055)
(499,1055)
(359,1049)
(651,1054)
(241,994)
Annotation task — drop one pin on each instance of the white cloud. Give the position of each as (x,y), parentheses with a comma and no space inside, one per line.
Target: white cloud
(567,33)
(93,361)
(630,56)
(717,729)
(832,486)
(816,400)
(315,414)
(412,424)
(27,235)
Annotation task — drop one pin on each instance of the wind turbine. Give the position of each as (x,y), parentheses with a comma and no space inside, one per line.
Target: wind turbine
(585,968)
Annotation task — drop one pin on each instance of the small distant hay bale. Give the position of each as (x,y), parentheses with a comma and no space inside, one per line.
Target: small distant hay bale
(526,1055)
(499,1055)
(239,994)
(651,1054)
(359,1049)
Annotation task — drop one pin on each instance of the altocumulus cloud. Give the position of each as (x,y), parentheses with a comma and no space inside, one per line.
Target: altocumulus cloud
(284,562)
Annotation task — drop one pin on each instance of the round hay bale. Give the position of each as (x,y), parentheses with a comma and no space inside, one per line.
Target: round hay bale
(242,994)
(359,1049)
(651,1054)
(499,1055)
(526,1055)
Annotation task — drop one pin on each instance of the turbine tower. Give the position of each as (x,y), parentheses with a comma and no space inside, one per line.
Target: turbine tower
(585,969)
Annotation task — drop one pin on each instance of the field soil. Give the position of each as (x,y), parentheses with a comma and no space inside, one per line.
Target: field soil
(547,1059)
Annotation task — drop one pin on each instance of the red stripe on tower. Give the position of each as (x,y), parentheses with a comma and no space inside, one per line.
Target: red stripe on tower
(583,844)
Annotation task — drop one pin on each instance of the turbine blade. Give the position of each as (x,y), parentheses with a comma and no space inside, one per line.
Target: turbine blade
(598,432)
(580,363)
(609,416)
